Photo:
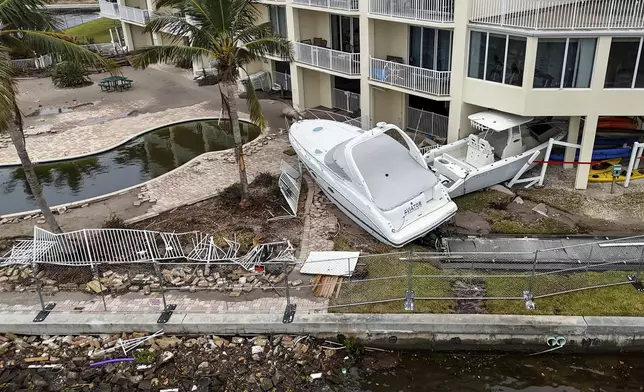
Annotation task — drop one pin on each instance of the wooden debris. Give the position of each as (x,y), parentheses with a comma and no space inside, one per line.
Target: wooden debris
(37,359)
(326,286)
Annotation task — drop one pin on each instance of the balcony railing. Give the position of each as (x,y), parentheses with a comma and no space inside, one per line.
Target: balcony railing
(110,10)
(346,5)
(345,100)
(284,80)
(333,60)
(409,77)
(134,15)
(560,14)
(440,11)
(427,123)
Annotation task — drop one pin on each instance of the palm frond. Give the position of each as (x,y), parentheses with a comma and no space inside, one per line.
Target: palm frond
(26,14)
(50,42)
(170,24)
(272,45)
(172,53)
(7,89)
(254,107)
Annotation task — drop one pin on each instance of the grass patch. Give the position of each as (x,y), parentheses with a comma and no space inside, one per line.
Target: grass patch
(481,201)
(387,280)
(97,31)
(566,201)
(503,222)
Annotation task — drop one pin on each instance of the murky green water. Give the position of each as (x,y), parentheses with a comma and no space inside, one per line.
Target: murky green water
(141,159)
(428,371)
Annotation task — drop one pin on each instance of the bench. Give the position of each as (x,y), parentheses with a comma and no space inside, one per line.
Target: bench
(105,86)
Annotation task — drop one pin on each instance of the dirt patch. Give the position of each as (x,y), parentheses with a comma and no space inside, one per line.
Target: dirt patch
(224,217)
(469,290)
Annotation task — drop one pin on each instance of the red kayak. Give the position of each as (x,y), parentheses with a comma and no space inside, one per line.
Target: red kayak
(616,123)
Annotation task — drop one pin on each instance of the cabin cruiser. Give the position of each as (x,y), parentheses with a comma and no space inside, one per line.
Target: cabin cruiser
(496,154)
(378,178)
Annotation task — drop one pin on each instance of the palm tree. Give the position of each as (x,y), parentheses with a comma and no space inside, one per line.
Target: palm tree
(227,32)
(26,25)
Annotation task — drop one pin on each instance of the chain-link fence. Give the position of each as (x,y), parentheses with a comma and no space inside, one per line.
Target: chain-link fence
(466,282)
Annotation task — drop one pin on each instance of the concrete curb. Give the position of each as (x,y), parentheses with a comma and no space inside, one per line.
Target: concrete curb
(448,331)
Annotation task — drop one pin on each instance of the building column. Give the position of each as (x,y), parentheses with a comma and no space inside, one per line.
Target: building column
(127,36)
(366,48)
(460,48)
(586,151)
(293,35)
(573,137)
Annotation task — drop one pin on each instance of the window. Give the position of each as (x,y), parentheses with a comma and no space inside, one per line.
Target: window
(277,16)
(497,57)
(624,64)
(345,33)
(564,62)
(430,48)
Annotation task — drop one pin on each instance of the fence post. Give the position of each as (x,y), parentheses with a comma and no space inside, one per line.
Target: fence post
(289,312)
(534,270)
(349,274)
(168,309)
(409,294)
(45,309)
(96,270)
(639,267)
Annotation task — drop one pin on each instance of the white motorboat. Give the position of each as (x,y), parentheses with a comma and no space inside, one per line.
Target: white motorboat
(504,145)
(378,178)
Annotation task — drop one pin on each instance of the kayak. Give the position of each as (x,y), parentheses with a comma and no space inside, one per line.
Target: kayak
(638,174)
(616,123)
(599,154)
(603,166)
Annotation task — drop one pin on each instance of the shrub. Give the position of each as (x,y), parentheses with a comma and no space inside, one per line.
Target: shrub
(114,222)
(70,74)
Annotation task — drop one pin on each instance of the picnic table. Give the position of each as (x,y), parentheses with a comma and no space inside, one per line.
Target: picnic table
(115,83)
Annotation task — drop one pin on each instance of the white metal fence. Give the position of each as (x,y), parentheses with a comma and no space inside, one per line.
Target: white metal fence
(346,100)
(560,14)
(346,5)
(110,10)
(413,78)
(283,80)
(106,48)
(135,15)
(440,11)
(41,62)
(427,123)
(334,60)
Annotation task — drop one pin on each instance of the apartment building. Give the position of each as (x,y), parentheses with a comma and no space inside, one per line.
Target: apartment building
(428,64)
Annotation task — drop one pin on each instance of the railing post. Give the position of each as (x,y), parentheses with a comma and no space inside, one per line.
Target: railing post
(534,271)
(100,284)
(45,309)
(409,294)
(289,312)
(168,309)
(639,267)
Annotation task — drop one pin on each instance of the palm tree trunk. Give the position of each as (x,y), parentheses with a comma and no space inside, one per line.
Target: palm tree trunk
(17,138)
(231,95)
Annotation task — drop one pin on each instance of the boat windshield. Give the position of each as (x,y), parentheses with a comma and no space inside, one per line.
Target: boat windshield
(334,159)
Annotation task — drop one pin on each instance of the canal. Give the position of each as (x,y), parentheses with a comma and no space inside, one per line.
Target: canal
(428,371)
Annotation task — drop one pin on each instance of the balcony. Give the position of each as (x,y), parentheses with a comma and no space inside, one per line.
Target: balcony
(560,14)
(427,124)
(436,11)
(109,10)
(284,80)
(333,60)
(134,15)
(344,5)
(423,80)
(345,100)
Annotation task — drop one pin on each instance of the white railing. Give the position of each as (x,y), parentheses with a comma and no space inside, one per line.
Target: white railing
(345,100)
(110,10)
(441,11)
(24,63)
(41,62)
(427,123)
(334,60)
(105,49)
(346,5)
(135,15)
(407,76)
(283,80)
(560,14)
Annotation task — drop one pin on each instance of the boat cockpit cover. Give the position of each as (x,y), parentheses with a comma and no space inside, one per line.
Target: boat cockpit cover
(497,121)
(392,175)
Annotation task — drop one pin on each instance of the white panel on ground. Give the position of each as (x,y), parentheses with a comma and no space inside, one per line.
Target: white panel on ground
(330,263)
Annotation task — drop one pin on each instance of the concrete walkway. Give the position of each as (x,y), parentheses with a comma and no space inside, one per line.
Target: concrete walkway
(418,331)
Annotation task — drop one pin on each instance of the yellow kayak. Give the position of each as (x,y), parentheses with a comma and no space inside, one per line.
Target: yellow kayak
(603,167)
(607,176)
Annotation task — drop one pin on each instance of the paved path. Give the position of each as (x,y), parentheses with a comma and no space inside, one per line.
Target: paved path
(70,302)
